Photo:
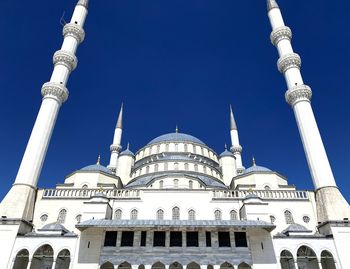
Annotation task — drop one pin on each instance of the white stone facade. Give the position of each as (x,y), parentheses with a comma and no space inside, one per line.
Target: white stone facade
(175,203)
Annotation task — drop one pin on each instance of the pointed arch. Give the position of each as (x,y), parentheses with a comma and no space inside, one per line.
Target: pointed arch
(193,265)
(217,214)
(107,265)
(124,265)
(226,265)
(43,256)
(244,265)
(191,214)
(288,217)
(63,259)
(176,213)
(306,257)
(158,265)
(327,260)
(287,260)
(176,265)
(21,260)
(160,214)
(233,215)
(61,218)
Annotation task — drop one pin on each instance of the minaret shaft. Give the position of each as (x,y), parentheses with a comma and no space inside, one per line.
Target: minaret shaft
(236,147)
(54,95)
(116,146)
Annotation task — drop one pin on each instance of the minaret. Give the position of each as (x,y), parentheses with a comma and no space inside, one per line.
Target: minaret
(236,147)
(116,146)
(18,203)
(331,205)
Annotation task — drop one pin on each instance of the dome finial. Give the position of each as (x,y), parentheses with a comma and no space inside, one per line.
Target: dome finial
(225,146)
(128,146)
(98,159)
(254,162)
(177,129)
(120,118)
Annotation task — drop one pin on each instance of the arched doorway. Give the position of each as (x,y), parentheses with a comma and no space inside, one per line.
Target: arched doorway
(193,265)
(158,265)
(141,266)
(176,265)
(243,265)
(210,266)
(226,265)
(107,265)
(42,258)
(63,259)
(306,258)
(287,260)
(124,265)
(22,259)
(327,260)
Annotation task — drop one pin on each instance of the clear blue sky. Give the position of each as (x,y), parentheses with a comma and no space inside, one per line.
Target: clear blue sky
(175,62)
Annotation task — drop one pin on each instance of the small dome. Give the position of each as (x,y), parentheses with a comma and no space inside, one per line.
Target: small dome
(256,168)
(226,153)
(96,168)
(54,227)
(176,137)
(127,152)
(252,196)
(295,228)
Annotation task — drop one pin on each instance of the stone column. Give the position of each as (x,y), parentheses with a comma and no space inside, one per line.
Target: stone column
(54,264)
(29,264)
(167,239)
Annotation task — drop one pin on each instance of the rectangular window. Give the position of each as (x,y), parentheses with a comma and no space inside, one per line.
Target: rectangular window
(224,239)
(143,238)
(241,239)
(111,239)
(127,239)
(159,239)
(208,239)
(176,239)
(192,239)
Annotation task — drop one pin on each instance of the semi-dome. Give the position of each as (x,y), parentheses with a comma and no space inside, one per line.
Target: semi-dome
(176,137)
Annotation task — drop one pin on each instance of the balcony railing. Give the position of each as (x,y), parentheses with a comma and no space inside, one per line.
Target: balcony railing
(263,194)
(87,193)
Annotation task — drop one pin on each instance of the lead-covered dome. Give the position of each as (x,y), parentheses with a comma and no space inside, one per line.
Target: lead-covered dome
(176,137)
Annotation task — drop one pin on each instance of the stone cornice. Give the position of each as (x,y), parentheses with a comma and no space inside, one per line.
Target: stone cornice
(298,93)
(65,58)
(74,30)
(288,61)
(55,91)
(281,33)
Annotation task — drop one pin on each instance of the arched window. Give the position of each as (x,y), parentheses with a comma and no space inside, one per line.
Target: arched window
(204,169)
(62,216)
(176,147)
(194,149)
(196,167)
(165,166)
(158,149)
(176,183)
(190,184)
(272,219)
(147,169)
(160,214)
(217,214)
(156,167)
(186,166)
(185,147)
(78,218)
(288,217)
(44,217)
(133,214)
(118,214)
(233,215)
(267,188)
(191,215)
(176,166)
(176,213)
(85,187)
(167,147)
(161,184)
(202,150)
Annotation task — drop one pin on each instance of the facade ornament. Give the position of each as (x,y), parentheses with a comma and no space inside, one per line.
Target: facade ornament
(240,170)
(115,148)
(65,58)
(236,149)
(55,91)
(298,93)
(291,60)
(281,33)
(74,30)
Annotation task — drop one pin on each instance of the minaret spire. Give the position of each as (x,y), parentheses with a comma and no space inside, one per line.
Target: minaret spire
(54,93)
(330,203)
(236,147)
(116,147)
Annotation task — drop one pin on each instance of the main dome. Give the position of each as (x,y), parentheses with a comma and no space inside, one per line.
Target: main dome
(176,137)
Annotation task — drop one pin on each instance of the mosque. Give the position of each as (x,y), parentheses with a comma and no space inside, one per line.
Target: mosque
(174,203)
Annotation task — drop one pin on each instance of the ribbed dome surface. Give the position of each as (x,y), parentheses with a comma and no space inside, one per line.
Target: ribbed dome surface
(176,137)
(256,168)
(96,168)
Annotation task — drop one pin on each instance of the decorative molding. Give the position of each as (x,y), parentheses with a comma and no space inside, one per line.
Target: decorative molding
(55,91)
(281,33)
(74,30)
(240,170)
(298,93)
(65,58)
(288,61)
(115,148)
(236,149)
